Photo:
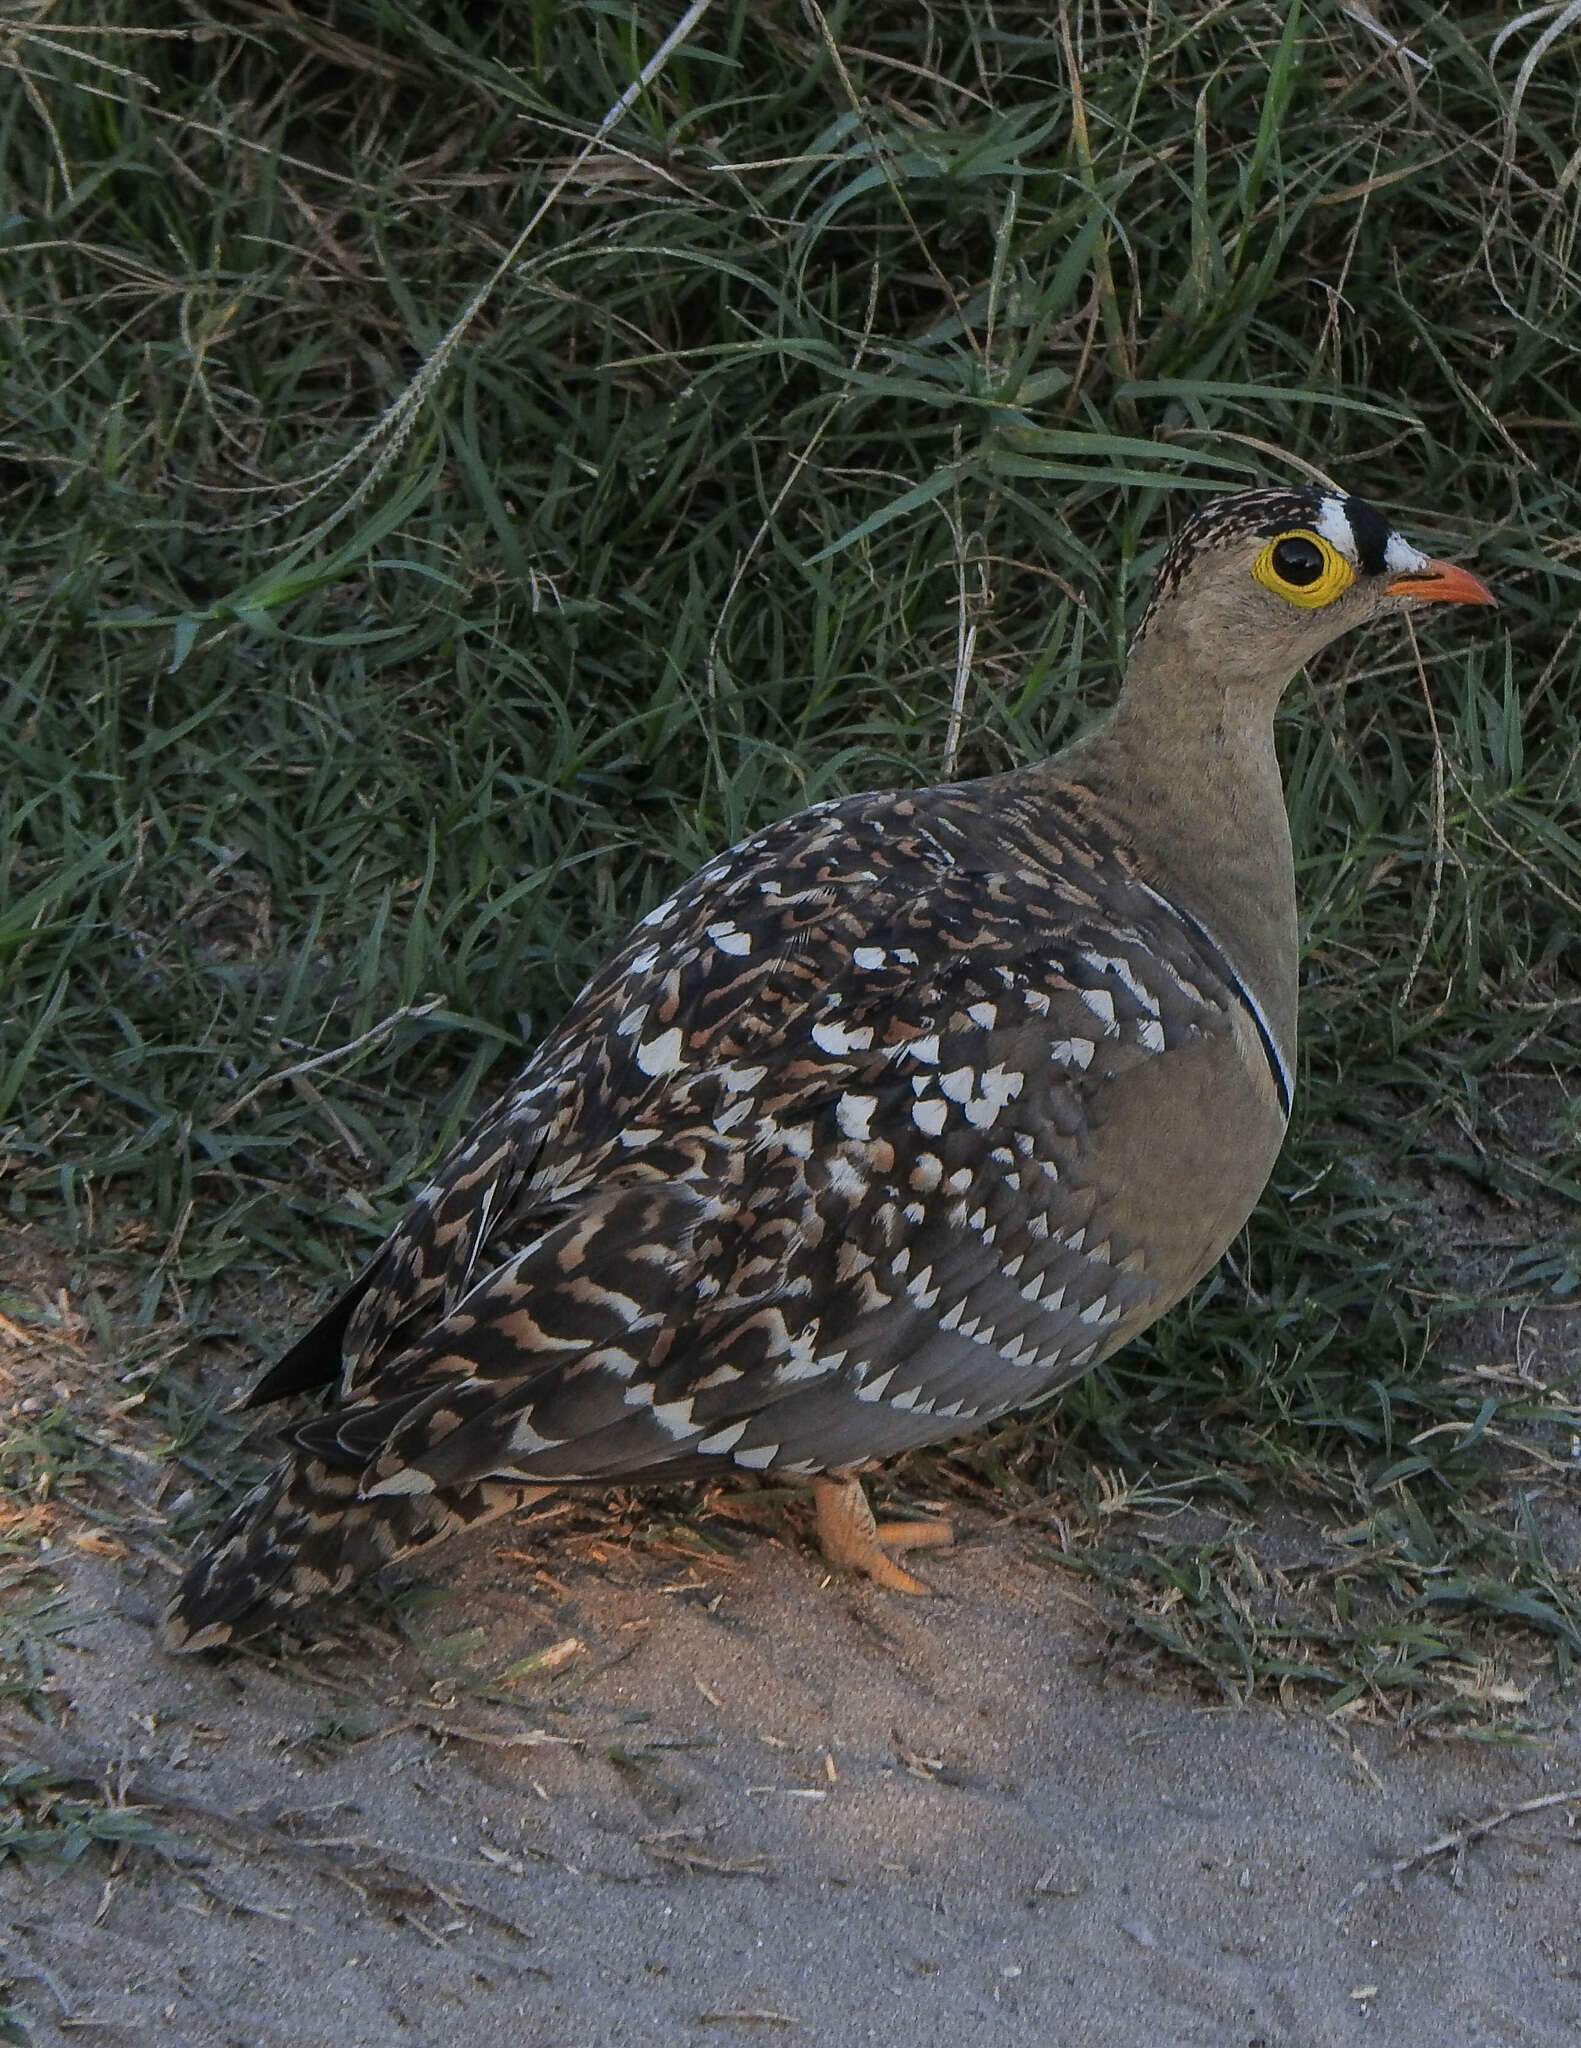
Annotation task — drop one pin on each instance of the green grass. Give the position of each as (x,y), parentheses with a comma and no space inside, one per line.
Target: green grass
(858,330)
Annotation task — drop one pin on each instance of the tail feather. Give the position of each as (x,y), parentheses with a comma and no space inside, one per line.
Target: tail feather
(309,1531)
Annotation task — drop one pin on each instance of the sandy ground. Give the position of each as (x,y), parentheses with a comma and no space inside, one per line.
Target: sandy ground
(756,1804)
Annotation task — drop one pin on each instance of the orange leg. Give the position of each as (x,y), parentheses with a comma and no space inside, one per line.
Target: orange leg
(849,1536)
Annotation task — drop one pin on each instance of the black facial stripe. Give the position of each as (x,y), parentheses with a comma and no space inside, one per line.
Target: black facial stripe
(1372,532)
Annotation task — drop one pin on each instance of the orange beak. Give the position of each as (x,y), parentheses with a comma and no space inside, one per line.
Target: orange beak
(1441,583)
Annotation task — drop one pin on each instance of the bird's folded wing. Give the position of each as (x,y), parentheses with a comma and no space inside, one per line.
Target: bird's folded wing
(896,1064)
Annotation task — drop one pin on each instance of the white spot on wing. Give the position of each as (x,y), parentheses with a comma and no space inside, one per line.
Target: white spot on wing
(835,1038)
(524,1437)
(1001,1086)
(722,1439)
(1109,963)
(868,958)
(930,1116)
(809,1366)
(854,1114)
(407,1480)
(661,1055)
(760,1456)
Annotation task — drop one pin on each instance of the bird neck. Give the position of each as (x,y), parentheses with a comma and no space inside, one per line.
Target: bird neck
(1191,771)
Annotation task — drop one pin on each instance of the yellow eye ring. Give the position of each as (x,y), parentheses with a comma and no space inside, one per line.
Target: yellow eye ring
(1333,574)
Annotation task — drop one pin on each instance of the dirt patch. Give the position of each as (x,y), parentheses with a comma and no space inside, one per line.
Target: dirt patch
(735,1801)
(638,1773)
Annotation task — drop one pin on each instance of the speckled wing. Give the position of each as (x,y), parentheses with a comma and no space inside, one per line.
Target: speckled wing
(877,1129)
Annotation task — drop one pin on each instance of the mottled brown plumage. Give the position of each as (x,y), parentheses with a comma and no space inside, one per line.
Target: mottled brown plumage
(899,1115)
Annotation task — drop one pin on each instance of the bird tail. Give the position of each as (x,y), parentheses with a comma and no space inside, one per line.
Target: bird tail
(309,1531)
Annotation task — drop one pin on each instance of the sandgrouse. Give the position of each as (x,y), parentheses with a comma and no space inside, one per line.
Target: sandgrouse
(901,1114)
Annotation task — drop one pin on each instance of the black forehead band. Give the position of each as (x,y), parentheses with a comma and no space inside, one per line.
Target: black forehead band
(1372,532)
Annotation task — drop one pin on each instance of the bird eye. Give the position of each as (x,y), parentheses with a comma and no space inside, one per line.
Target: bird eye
(1298,561)
(1303,568)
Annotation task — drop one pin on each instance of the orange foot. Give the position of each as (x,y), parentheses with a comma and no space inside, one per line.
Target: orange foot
(849,1536)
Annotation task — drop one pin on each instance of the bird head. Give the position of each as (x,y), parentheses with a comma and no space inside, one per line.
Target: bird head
(1256,582)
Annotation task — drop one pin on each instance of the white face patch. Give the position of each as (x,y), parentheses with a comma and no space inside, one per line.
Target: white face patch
(1334,525)
(1401,559)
